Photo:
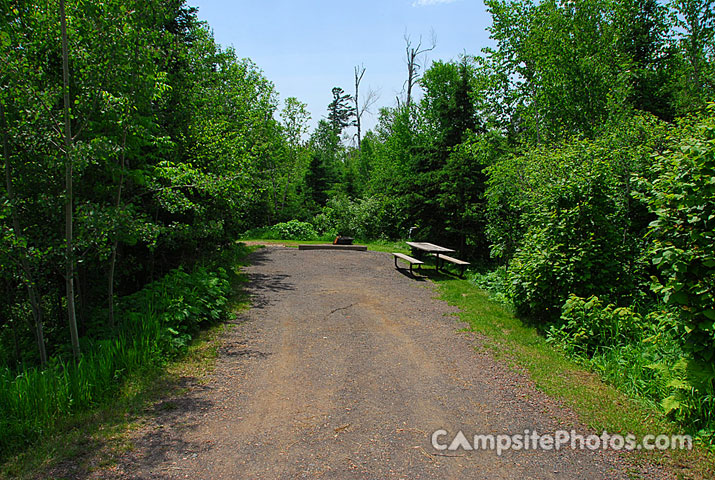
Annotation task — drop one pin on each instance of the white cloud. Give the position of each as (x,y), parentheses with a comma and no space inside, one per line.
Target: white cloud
(424,3)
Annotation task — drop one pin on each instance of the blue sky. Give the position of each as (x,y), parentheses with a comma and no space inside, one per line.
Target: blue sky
(307,47)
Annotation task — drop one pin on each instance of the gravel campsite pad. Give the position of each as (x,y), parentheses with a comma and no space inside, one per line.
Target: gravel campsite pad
(343,368)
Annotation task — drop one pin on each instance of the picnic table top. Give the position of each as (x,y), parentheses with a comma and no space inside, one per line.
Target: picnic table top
(429,247)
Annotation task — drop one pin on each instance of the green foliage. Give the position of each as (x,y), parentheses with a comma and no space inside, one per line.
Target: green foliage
(558,64)
(642,355)
(691,394)
(495,282)
(325,169)
(588,326)
(682,196)
(447,105)
(183,303)
(173,139)
(694,20)
(340,111)
(641,39)
(576,228)
(428,160)
(156,323)
(368,218)
(292,230)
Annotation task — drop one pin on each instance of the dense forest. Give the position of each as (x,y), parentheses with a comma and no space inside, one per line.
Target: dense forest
(574,162)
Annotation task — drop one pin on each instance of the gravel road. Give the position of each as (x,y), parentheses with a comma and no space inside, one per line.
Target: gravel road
(343,368)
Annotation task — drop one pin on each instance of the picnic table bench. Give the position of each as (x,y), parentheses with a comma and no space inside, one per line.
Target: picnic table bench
(439,254)
(408,259)
(462,264)
(435,250)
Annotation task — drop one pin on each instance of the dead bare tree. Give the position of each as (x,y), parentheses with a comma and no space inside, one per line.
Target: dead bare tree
(359,72)
(413,65)
(370,98)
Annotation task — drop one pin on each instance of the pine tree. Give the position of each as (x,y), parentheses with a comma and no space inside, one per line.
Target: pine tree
(340,111)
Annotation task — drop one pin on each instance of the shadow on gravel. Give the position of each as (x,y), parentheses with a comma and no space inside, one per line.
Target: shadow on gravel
(164,434)
(258,256)
(260,285)
(434,275)
(418,274)
(240,349)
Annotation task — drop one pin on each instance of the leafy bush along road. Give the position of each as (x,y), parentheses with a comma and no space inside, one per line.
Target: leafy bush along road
(155,324)
(608,244)
(346,366)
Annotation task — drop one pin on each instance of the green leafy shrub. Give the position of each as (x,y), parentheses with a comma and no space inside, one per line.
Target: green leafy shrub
(291,230)
(577,228)
(495,282)
(590,326)
(575,243)
(682,196)
(183,303)
(369,218)
(294,230)
(643,356)
(155,323)
(690,396)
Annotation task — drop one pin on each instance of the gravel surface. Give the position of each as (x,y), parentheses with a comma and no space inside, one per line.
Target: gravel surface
(342,369)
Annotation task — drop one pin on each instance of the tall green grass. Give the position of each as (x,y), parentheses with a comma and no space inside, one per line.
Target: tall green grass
(156,323)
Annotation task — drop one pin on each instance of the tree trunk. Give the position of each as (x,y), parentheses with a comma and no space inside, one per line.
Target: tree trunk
(115,243)
(285,189)
(410,74)
(695,47)
(16,344)
(274,193)
(79,294)
(110,289)
(39,329)
(24,264)
(359,72)
(69,242)
(152,264)
(412,55)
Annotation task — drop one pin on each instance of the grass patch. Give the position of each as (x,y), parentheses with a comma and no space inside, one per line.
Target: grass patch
(599,406)
(372,245)
(94,439)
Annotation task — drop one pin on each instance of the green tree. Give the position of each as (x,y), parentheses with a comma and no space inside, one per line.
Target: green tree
(447,105)
(69,196)
(326,165)
(341,111)
(567,212)
(695,22)
(295,119)
(642,39)
(680,191)
(556,69)
(167,133)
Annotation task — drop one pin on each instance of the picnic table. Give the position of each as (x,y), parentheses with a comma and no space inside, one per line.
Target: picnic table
(430,248)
